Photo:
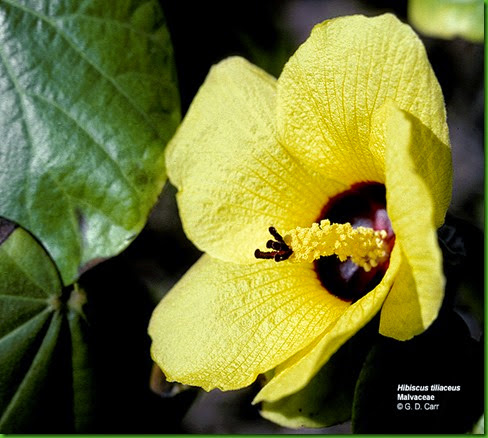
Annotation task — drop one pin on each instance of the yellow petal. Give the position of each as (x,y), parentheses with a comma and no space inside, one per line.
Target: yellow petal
(417,294)
(223,324)
(330,89)
(327,399)
(430,157)
(234,179)
(296,372)
(401,316)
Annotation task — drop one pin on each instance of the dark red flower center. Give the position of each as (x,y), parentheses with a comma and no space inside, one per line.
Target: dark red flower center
(364,204)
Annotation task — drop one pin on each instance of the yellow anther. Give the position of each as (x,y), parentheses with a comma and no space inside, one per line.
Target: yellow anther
(364,246)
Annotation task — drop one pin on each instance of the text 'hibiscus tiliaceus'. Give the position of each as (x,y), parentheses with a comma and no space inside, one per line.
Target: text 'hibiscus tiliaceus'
(316,198)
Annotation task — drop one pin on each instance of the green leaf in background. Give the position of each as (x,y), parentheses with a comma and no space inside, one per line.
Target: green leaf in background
(88,100)
(45,384)
(479,427)
(448,18)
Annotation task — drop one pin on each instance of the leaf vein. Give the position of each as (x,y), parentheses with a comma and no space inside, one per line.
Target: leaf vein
(85,58)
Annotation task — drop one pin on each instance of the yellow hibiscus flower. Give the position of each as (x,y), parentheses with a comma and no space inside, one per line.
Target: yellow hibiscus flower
(345,160)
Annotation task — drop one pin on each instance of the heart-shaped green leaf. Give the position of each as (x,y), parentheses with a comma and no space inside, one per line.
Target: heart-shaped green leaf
(88,100)
(43,359)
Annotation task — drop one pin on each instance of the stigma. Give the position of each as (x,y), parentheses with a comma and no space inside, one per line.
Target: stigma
(279,249)
(364,246)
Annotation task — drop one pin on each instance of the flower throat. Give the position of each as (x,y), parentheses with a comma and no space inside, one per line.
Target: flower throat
(350,243)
